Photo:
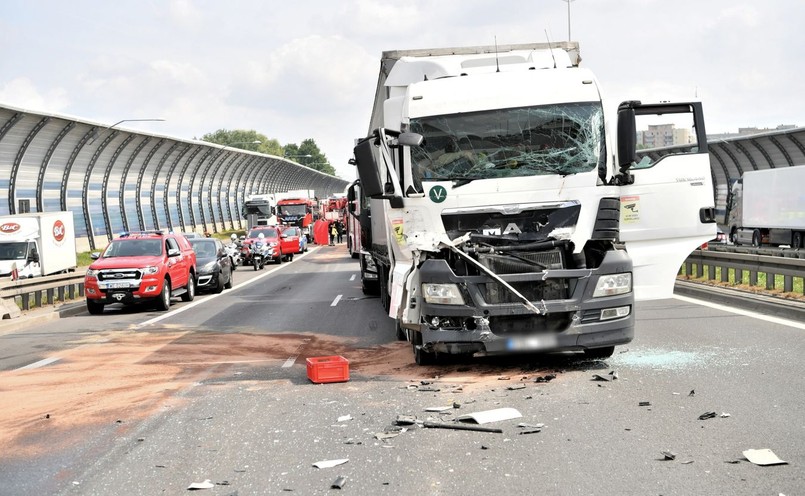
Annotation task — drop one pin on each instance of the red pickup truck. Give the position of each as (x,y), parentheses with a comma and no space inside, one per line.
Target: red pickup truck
(141,266)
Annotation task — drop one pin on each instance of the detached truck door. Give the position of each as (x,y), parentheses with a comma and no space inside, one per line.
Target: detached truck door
(668,211)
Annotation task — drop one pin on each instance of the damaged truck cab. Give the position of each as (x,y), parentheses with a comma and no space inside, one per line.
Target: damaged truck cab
(502,221)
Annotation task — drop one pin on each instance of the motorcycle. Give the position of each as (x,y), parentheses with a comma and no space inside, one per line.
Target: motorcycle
(234,251)
(259,254)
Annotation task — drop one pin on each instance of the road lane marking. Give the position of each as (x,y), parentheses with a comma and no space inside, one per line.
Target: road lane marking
(40,363)
(335,301)
(745,313)
(292,359)
(212,296)
(352,278)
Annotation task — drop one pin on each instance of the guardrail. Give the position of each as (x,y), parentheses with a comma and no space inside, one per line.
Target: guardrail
(25,294)
(745,266)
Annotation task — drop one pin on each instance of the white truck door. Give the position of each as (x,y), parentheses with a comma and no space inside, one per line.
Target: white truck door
(668,209)
(661,219)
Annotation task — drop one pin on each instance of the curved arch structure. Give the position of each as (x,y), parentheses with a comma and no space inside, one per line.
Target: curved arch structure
(115,180)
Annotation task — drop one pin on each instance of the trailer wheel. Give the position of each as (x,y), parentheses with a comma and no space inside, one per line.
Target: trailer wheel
(94,307)
(797,243)
(599,353)
(756,238)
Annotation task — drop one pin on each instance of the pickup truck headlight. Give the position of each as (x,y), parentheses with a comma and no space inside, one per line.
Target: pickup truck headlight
(150,270)
(442,294)
(613,284)
(92,273)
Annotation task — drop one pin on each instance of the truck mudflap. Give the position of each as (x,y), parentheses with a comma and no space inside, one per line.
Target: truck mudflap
(493,322)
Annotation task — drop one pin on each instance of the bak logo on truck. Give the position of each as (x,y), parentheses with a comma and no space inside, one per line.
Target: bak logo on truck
(9,228)
(58,231)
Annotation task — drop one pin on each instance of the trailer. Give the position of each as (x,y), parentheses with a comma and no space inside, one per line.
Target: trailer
(767,207)
(37,244)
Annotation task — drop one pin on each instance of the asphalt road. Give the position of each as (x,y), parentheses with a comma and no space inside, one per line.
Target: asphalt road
(143,402)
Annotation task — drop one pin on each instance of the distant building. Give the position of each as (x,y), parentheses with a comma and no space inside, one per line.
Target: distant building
(661,135)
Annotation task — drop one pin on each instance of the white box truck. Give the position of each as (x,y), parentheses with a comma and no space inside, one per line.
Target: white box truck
(767,207)
(507,215)
(37,244)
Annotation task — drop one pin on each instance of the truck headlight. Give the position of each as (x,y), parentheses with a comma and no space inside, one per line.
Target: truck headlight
(92,272)
(151,270)
(442,294)
(613,284)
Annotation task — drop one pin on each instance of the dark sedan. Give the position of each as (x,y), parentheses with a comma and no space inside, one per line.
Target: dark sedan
(213,264)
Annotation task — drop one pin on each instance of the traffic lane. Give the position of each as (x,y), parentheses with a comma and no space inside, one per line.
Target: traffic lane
(259,430)
(319,294)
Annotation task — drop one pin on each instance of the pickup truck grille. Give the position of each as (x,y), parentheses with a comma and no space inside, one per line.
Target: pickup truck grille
(119,274)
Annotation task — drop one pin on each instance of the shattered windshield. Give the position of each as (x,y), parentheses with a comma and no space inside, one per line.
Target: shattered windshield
(559,139)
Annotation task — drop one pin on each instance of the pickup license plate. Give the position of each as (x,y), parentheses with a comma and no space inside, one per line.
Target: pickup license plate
(117,285)
(531,343)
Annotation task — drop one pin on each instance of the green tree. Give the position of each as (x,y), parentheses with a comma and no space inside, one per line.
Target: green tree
(308,154)
(244,139)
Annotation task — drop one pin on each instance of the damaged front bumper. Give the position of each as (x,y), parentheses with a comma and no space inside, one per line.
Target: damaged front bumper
(492,321)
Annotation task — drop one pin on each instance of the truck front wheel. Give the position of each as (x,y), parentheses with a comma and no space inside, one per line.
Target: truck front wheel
(164,300)
(94,307)
(756,238)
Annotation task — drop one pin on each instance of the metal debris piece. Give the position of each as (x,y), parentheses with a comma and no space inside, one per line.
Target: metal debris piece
(461,427)
(707,415)
(734,462)
(405,420)
(644,403)
(763,457)
(504,378)
(692,392)
(390,432)
(597,377)
(201,485)
(437,409)
(530,431)
(687,462)
(545,378)
(524,425)
(339,482)
(515,387)
(330,463)
(428,389)
(614,374)
(669,455)
(725,415)
(456,405)
(495,415)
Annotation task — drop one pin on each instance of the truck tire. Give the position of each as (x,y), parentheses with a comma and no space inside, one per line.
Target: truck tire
(756,238)
(191,288)
(94,307)
(422,357)
(164,300)
(401,334)
(599,353)
(369,288)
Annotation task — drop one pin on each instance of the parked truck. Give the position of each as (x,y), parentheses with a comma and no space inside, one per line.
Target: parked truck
(37,244)
(767,207)
(505,214)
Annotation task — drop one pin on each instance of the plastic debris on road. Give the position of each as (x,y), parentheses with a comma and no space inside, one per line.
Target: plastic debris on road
(495,415)
(707,415)
(669,455)
(200,485)
(330,463)
(339,482)
(763,457)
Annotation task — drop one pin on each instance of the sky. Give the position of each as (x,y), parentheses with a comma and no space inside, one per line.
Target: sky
(294,70)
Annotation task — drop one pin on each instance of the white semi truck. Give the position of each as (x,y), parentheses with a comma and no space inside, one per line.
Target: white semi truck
(505,214)
(37,244)
(767,207)
(260,210)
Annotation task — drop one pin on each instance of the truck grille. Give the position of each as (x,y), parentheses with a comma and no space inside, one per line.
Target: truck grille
(552,289)
(518,263)
(508,325)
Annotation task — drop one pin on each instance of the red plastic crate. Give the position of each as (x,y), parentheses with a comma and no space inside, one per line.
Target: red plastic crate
(328,369)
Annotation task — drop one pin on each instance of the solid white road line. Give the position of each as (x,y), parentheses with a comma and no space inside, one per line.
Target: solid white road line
(745,313)
(335,301)
(352,278)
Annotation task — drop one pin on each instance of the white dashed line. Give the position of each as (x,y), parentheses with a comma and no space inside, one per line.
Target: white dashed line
(40,363)
(335,301)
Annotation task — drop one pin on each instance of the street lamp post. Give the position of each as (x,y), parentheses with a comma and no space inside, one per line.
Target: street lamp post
(569,38)
(109,128)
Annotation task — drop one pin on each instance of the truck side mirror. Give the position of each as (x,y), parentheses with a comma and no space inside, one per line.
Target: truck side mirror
(367,168)
(410,139)
(627,135)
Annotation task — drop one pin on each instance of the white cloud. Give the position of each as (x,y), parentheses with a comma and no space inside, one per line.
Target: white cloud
(22,92)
